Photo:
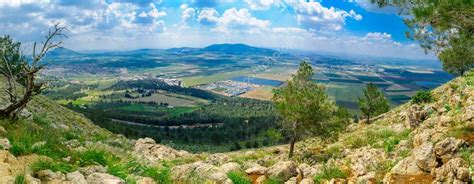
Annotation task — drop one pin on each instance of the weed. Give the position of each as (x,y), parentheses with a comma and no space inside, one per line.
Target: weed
(20,179)
(328,173)
(239,178)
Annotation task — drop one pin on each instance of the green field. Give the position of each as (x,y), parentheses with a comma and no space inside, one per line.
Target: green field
(176,111)
(206,79)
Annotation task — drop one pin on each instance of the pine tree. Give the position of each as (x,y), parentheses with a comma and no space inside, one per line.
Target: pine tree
(373,103)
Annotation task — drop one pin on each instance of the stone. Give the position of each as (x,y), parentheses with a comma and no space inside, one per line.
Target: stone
(407,166)
(309,171)
(307,181)
(455,170)
(446,149)
(103,178)
(468,113)
(283,170)
(31,180)
(25,114)
(422,137)
(445,121)
(46,175)
(407,171)
(369,178)
(292,181)
(201,169)
(6,168)
(218,159)
(363,158)
(424,157)
(151,152)
(230,167)
(256,170)
(88,170)
(261,179)
(414,116)
(73,143)
(145,180)
(5,144)
(76,178)
(337,181)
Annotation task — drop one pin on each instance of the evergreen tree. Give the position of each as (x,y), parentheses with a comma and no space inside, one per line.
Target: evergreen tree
(373,103)
(304,106)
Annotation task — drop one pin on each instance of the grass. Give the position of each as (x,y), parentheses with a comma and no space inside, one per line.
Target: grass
(46,164)
(329,172)
(92,157)
(372,135)
(20,179)
(239,178)
(274,180)
(160,175)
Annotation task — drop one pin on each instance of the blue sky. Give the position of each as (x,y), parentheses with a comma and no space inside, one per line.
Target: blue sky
(337,26)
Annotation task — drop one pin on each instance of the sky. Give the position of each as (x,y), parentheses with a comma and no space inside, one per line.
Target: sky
(336,26)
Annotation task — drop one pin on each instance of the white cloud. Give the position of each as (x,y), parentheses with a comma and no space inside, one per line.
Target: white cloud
(188,13)
(377,36)
(262,4)
(241,19)
(208,16)
(313,15)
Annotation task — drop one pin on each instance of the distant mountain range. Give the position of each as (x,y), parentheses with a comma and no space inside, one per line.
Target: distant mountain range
(232,49)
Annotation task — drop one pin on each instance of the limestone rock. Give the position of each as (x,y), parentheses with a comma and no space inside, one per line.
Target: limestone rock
(309,171)
(422,137)
(424,157)
(261,179)
(414,116)
(25,114)
(88,170)
(199,169)
(230,167)
(407,166)
(455,170)
(145,180)
(5,144)
(364,157)
(283,170)
(307,181)
(103,178)
(446,149)
(46,175)
(256,169)
(76,178)
(292,181)
(152,152)
(217,159)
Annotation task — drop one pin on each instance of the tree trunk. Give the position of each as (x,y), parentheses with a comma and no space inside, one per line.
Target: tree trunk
(12,110)
(292,147)
(368,118)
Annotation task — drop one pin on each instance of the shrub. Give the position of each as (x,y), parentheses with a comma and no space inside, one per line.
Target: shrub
(422,97)
(329,172)
(239,178)
(274,180)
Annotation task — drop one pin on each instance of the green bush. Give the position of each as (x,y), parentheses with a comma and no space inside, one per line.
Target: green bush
(239,178)
(328,173)
(422,97)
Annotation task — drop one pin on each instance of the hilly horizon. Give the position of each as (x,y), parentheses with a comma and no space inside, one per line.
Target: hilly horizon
(236,92)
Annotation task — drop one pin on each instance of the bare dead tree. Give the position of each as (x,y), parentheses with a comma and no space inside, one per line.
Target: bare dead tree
(17,70)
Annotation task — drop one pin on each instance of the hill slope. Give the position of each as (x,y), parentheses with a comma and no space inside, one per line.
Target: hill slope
(237,49)
(412,143)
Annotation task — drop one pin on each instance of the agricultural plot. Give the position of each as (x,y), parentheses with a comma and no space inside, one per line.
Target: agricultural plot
(168,99)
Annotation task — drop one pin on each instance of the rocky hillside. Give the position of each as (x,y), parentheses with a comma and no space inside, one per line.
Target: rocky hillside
(414,143)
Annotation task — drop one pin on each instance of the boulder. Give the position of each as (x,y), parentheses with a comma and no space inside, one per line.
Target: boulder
(468,113)
(218,159)
(6,168)
(424,157)
(230,167)
(25,114)
(76,178)
(414,116)
(256,169)
(145,180)
(363,158)
(30,180)
(283,170)
(47,175)
(422,137)
(261,179)
(292,181)
(369,178)
(88,170)
(407,171)
(307,181)
(150,151)
(200,170)
(309,171)
(447,148)
(454,171)
(5,144)
(103,178)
